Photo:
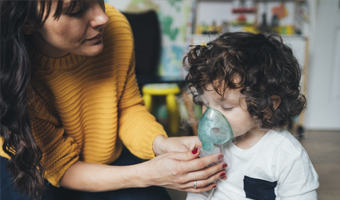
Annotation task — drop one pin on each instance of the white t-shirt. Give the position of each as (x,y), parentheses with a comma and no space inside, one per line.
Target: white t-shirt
(276,167)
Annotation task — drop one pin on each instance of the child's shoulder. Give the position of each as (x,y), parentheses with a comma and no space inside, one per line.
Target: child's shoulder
(283,137)
(286,145)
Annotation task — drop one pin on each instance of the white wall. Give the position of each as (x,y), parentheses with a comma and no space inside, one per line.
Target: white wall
(323,111)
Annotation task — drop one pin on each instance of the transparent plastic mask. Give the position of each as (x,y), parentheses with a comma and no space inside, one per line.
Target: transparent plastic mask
(213,131)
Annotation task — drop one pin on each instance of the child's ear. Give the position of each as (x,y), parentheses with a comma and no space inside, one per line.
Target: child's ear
(276,101)
(28,27)
(204,107)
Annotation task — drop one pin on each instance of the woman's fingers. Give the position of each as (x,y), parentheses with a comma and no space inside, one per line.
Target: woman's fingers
(202,163)
(202,184)
(179,170)
(164,144)
(193,164)
(204,178)
(185,156)
(197,170)
(215,171)
(199,189)
(191,142)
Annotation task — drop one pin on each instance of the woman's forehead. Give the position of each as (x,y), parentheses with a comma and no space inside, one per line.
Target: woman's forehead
(56,7)
(68,3)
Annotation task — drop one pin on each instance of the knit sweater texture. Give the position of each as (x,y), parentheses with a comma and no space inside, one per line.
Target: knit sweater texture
(86,108)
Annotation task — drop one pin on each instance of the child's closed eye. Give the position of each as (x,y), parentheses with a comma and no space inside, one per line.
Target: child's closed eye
(227,109)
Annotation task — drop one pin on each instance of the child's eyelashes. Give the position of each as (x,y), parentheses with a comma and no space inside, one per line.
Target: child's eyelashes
(227,109)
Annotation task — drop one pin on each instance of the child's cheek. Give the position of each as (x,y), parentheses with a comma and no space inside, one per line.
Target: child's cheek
(240,122)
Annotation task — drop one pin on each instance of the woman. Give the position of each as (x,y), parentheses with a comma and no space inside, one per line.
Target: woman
(70,102)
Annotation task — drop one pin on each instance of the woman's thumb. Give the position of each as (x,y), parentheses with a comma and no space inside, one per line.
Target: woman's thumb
(188,155)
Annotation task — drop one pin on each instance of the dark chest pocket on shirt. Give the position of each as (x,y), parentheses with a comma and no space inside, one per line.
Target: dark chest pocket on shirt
(258,189)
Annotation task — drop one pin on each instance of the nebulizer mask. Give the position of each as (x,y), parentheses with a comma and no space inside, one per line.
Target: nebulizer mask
(214,131)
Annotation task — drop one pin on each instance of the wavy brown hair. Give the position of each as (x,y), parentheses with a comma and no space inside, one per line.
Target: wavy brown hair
(265,67)
(15,77)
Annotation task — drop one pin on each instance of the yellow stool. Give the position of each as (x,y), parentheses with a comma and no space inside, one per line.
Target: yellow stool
(169,90)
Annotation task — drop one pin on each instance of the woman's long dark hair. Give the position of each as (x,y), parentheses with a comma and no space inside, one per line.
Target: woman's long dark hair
(15,76)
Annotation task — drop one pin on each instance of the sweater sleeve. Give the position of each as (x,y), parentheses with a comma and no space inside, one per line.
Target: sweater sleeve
(137,127)
(59,149)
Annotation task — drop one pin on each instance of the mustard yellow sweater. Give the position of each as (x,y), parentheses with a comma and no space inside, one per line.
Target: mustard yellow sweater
(89,106)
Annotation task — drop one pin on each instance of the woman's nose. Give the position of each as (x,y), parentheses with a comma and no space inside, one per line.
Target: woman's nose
(99,19)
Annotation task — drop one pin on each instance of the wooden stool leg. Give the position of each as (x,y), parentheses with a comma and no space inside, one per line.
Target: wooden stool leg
(173,113)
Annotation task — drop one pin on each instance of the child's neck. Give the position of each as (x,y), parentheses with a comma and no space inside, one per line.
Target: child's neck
(249,139)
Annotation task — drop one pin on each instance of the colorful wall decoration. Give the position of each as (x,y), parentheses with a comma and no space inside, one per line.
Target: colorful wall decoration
(174,17)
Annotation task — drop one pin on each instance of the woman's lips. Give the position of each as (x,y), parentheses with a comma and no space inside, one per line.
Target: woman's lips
(95,38)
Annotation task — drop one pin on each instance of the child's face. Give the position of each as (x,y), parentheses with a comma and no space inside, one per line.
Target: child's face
(233,107)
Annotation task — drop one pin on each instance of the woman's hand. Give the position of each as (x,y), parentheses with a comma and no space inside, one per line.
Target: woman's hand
(163,144)
(179,170)
(175,170)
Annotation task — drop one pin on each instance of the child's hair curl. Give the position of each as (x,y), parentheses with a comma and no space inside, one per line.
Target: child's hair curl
(264,68)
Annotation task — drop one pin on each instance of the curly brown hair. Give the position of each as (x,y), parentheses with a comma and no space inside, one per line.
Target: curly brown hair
(265,67)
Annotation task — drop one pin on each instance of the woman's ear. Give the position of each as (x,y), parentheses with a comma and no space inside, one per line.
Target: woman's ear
(28,27)
(276,101)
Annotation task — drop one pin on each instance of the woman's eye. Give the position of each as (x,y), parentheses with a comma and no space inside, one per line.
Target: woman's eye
(79,10)
(77,13)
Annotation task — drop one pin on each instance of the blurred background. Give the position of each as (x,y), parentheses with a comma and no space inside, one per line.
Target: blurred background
(164,29)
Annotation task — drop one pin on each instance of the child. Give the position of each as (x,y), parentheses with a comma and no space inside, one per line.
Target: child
(254,81)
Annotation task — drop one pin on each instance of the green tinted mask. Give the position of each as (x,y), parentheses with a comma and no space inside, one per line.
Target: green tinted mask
(213,131)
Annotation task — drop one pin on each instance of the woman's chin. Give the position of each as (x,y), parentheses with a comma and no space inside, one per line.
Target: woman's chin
(94,50)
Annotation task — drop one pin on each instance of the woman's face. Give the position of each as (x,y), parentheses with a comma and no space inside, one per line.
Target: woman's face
(79,32)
